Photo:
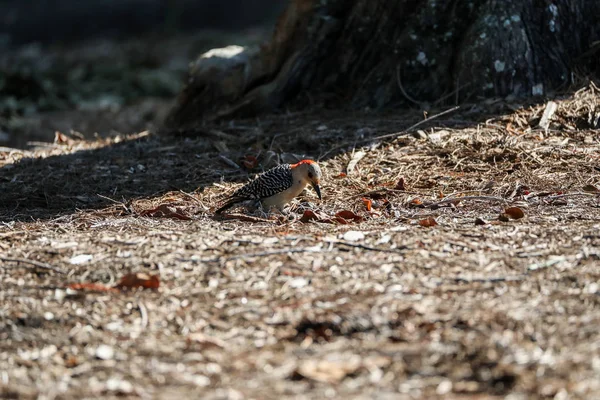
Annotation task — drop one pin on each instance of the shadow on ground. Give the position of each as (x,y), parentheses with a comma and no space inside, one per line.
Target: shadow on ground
(86,175)
(62,178)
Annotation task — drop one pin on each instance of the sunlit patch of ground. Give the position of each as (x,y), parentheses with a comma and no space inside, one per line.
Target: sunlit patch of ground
(373,306)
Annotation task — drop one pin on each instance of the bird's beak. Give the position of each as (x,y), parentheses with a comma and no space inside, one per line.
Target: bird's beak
(317,189)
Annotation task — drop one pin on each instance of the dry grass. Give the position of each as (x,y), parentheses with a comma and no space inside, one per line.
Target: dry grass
(281,308)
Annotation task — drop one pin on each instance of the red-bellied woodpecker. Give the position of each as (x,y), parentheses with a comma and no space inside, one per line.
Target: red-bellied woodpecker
(278,186)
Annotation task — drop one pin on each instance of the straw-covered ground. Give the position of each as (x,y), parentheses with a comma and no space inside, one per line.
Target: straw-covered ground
(440,290)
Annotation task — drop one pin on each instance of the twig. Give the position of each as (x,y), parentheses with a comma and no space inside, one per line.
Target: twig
(228,161)
(390,135)
(384,191)
(36,264)
(399,82)
(241,217)
(560,196)
(111,200)
(190,196)
(456,199)
(260,254)
(143,314)
(454,92)
(365,247)
(514,278)
(120,203)
(406,131)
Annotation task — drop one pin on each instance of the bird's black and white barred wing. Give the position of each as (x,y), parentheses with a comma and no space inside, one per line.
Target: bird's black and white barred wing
(267,184)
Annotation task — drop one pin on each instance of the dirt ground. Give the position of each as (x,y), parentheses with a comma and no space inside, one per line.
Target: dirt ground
(431,293)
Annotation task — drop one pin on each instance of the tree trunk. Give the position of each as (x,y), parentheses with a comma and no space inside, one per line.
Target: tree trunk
(377,53)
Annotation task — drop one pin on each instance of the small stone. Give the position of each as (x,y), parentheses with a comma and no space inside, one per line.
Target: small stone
(81,259)
(119,385)
(353,236)
(444,387)
(298,283)
(105,352)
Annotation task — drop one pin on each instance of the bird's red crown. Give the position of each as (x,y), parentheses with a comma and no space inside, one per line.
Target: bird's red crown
(303,162)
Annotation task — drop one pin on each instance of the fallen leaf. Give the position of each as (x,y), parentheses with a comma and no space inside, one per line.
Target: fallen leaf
(400,185)
(480,221)
(368,203)
(61,138)
(416,202)
(356,157)
(341,175)
(591,189)
(349,215)
(514,212)
(138,280)
(71,361)
(308,216)
(249,162)
(165,211)
(549,111)
(428,222)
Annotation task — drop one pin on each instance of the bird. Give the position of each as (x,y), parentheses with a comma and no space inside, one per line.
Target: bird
(278,186)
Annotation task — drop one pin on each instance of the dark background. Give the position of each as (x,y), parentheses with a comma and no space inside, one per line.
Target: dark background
(51,21)
(104,67)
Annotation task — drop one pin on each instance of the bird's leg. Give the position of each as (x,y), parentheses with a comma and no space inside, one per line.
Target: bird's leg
(285,212)
(260,210)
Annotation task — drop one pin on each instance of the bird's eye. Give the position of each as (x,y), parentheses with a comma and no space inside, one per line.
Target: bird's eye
(310,175)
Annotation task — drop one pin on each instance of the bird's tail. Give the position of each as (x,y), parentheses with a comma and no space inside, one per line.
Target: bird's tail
(230,203)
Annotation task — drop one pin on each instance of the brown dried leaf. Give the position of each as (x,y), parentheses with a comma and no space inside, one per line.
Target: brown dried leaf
(591,189)
(348,216)
(400,185)
(138,280)
(341,220)
(368,203)
(416,202)
(428,222)
(308,216)
(249,162)
(61,138)
(514,212)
